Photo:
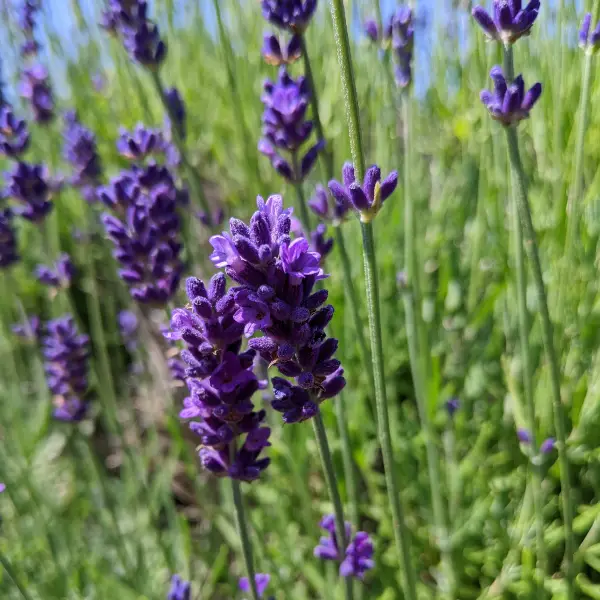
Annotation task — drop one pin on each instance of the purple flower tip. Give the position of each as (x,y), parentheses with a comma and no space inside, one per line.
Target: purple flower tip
(547,445)
(180,589)
(262,581)
(509,20)
(524,436)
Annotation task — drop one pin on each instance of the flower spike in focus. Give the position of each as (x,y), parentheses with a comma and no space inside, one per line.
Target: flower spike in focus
(509,20)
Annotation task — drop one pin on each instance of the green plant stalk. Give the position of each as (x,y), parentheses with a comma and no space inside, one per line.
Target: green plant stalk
(418,356)
(11,574)
(244,534)
(192,173)
(304,216)
(401,533)
(238,105)
(527,375)
(520,191)
(334,493)
(378,15)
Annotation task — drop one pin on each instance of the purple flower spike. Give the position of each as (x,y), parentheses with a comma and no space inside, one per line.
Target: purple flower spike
(14,136)
(30,330)
(177,111)
(142,143)
(35,88)
(368,198)
(509,104)
(293,15)
(372,30)
(524,436)
(66,356)
(402,32)
(276,51)
(81,151)
(590,43)
(547,446)
(298,261)
(332,211)
(58,277)
(26,20)
(30,187)
(180,589)
(319,243)
(261,580)
(509,21)
(452,405)
(285,127)
(8,240)
(359,557)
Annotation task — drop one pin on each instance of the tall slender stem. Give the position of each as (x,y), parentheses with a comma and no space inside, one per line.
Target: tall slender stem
(520,191)
(536,481)
(401,533)
(242,525)
(334,493)
(304,216)
(10,572)
(192,173)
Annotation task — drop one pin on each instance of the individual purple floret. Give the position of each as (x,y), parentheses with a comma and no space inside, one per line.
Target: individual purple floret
(9,254)
(321,204)
(402,34)
(14,136)
(58,277)
(177,112)
(358,556)
(547,445)
(524,436)
(262,582)
(26,20)
(367,199)
(81,151)
(285,127)
(35,88)
(30,330)
(293,15)
(30,187)
(372,30)
(66,356)
(452,405)
(221,382)
(509,104)
(275,295)
(509,20)
(180,589)
(276,51)
(590,43)
(319,243)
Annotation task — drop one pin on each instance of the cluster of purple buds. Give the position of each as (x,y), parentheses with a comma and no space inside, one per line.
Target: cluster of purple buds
(262,582)
(286,128)
(143,143)
(180,589)
(147,230)
(368,198)
(14,136)
(509,104)
(35,88)
(276,51)
(30,330)
(9,254)
(372,30)
(176,366)
(319,243)
(402,33)
(330,210)
(509,20)
(140,36)
(177,112)
(81,151)
(292,15)
(215,218)
(275,294)
(66,356)
(221,382)
(525,437)
(358,556)
(30,186)
(26,20)
(58,277)
(589,42)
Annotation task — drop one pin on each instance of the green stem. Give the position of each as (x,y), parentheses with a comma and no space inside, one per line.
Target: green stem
(334,493)
(521,272)
(192,173)
(401,533)
(243,532)
(304,215)
(233,87)
(520,191)
(10,572)
(418,356)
